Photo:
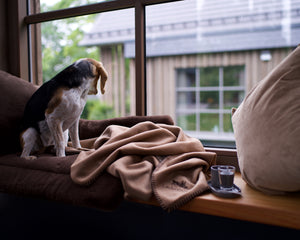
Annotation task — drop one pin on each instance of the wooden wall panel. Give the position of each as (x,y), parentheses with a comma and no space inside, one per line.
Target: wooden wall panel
(132,87)
(106,59)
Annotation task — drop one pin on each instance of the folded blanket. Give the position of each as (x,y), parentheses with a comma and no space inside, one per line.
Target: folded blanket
(149,159)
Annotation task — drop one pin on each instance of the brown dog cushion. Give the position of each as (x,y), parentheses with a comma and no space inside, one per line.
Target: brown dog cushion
(267,130)
(48,177)
(14,94)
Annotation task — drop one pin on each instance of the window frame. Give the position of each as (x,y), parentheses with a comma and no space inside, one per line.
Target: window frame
(28,55)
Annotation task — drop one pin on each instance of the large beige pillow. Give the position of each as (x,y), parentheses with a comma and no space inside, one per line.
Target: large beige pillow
(267,130)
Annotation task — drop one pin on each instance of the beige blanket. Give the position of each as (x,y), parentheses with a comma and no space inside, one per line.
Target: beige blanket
(149,159)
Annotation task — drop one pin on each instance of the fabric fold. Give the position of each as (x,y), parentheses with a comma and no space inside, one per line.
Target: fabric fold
(149,159)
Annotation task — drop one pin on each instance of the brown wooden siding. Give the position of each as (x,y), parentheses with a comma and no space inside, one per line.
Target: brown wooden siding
(113,60)
(161,76)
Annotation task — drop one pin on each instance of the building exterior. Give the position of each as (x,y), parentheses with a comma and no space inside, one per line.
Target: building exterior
(202,57)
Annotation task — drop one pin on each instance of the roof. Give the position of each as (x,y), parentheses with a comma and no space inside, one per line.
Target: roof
(200,26)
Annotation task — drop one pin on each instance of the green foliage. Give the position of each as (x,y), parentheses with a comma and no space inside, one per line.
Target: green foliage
(227,123)
(209,122)
(60,39)
(96,110)
(187,122)
(234,75)
(209,77)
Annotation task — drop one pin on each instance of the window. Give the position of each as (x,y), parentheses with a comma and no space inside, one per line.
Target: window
(203,57)
(204,98)
(200,58)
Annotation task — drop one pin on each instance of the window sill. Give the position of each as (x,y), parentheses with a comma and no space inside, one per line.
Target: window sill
(252,206)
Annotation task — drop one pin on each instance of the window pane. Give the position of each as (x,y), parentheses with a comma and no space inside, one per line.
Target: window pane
(186,100)
(186,78)
(209,122)
(221,45)
(215,49)
(233,98)
(187,121)
(61,44)
(209,76)
(209,100)
(65,41)
(234,76)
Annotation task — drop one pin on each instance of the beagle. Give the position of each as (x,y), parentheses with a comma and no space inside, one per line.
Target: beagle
(55,108)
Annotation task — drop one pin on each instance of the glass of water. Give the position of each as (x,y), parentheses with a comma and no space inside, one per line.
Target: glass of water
(226,176)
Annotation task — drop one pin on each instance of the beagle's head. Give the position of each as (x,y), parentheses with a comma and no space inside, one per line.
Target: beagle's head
(98,71)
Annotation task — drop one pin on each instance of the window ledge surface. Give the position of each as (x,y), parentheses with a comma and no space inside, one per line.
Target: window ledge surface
(254,206)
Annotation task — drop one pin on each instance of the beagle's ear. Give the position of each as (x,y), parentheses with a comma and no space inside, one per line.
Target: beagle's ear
(101,72)
(104,76)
